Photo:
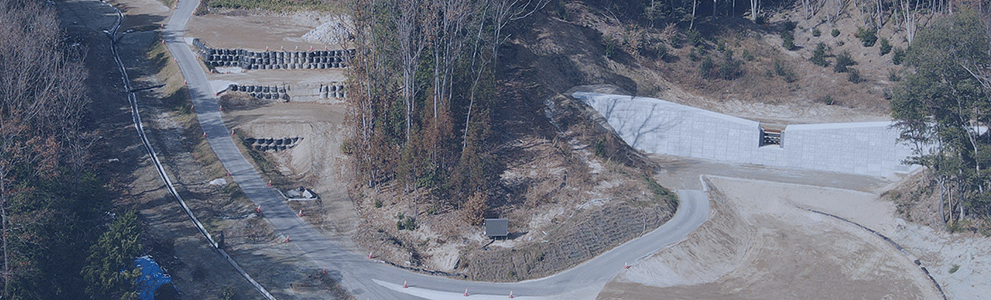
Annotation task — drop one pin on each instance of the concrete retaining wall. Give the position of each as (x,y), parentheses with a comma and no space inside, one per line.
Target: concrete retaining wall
(662,127)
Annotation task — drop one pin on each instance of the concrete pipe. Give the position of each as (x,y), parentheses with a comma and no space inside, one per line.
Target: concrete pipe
(249,140)
(282,89)
(253,95)
(285,97)
(264,89)
(232,87)
(278,141)
(287,141)
(323,95)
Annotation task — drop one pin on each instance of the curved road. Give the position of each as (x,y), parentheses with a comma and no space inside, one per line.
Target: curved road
(369,279)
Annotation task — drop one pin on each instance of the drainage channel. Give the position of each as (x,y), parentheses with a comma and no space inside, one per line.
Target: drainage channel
(136,118)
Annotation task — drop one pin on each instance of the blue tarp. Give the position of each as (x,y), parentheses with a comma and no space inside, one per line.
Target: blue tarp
(151,278)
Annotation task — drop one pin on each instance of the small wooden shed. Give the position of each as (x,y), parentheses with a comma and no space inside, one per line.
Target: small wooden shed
(496,227)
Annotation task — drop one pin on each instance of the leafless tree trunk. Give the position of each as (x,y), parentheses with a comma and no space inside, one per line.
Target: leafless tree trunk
(506,11)
(477,67)
(753,10)
(411,45)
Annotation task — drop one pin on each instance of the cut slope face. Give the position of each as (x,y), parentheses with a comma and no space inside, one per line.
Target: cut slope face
(759,245)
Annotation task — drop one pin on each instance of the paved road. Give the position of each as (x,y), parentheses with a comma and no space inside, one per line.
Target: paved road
(368,279)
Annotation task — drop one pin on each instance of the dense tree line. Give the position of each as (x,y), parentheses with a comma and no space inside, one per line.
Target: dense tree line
(943,107)
(51,208)
(423,85)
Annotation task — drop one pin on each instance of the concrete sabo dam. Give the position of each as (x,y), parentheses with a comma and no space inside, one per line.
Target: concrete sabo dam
(662,127)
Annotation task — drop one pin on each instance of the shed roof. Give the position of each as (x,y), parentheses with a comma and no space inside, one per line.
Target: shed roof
(496,227)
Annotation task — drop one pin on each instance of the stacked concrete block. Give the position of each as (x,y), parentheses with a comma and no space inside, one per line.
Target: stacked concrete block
(272,144)
(299,92)
(662,127)
(263,91)
(273,60)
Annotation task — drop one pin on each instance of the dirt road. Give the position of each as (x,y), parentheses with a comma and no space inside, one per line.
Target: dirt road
(759,244)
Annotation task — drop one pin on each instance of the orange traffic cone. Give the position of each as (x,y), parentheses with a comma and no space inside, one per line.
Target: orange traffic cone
(300,214)
(404,284)
(370,255)
(204,134)
(269,182)
(466,292)
(258,209)
(511,294)
(287,239)
(626,266)
(324,271)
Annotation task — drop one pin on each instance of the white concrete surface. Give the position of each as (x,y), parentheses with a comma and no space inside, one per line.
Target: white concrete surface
(662,127)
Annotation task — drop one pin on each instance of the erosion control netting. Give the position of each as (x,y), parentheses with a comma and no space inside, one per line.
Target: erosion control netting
(587,234)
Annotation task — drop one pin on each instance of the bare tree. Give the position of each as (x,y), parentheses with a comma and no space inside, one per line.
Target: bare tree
(41,103)
(506,11)
(411,44)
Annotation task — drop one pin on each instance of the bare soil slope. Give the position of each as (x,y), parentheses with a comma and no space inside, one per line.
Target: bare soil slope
(757,245)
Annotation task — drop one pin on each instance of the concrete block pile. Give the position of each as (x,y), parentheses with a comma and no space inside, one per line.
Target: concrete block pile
(273,60)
